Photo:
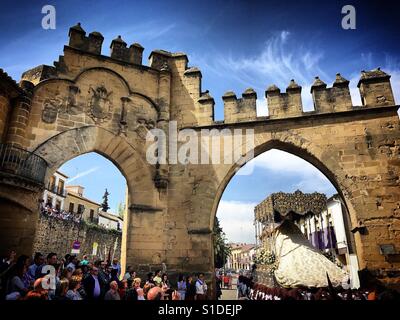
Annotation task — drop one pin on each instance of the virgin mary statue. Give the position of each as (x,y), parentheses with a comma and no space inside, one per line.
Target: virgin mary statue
(299,263)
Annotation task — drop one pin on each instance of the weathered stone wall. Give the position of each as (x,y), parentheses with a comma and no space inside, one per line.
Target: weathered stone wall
(4,112)
(57,235)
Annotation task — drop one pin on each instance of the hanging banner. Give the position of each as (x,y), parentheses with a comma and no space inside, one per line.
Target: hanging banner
(95,246)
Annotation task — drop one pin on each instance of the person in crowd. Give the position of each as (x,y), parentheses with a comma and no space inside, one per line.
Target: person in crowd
(73,262)
(102,275)
(218,284)
(155,293)
(150,278)
(92,285)
(84,261)
(112,294)
(38,260)
(73,291)
(201,288)
(16,281)
(129,274)
(38,292)
(190,288)
(182,286)
(132,293)
(61,290)
(6,264)
(80,274)
(140,294)
(157,278)
(122,289)
(8,261)
(114,276)
(166,287)
(51,261)
(117,266)
(66,274)
(27,279)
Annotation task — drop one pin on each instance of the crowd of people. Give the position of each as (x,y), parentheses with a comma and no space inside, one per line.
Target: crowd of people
(60,214)
(254,291)
(68,278)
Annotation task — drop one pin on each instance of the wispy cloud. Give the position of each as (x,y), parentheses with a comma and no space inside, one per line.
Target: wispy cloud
(83,174)
(280,60)
(147,31)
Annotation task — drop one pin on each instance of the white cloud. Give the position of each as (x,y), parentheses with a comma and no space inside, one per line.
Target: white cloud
(236,219)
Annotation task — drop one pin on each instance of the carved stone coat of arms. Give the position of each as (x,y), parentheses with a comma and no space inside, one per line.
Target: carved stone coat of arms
(99,105)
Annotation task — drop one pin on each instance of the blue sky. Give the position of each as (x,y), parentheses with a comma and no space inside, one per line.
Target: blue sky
(236,44)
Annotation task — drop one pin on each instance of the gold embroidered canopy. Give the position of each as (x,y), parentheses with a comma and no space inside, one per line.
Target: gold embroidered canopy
(285,203)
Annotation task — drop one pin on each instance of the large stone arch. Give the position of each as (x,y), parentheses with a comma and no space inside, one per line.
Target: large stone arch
(296,145)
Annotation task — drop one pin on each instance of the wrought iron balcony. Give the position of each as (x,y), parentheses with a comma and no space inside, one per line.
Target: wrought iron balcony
(23,163)
(57,191)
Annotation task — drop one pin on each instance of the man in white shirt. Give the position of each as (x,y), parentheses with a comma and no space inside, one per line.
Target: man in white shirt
(201,288)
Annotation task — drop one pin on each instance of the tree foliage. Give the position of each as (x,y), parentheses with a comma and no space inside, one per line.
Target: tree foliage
(221,249)
(104,205)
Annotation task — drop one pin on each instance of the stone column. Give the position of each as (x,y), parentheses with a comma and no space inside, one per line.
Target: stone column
(20,117)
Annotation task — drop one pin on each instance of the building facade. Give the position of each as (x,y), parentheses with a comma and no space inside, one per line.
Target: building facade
(242,256)
(330,233)
(110,221)
(77,203)
(55,193)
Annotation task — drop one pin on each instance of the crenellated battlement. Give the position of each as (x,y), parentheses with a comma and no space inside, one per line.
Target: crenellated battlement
(238,110)
(332,99)
(181,84)
(286,104)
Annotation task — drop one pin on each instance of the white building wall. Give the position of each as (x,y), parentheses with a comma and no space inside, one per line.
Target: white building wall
(335,208)
(109,224)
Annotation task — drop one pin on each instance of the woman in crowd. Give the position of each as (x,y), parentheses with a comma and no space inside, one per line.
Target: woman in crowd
(132,293)
(16,281)
(182,286)
(74,285)
(190,288)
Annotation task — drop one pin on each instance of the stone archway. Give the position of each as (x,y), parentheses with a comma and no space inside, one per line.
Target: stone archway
(297,146)
(139,177)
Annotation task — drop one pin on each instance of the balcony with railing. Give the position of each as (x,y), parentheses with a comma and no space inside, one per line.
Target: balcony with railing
(20,162)
(56,190)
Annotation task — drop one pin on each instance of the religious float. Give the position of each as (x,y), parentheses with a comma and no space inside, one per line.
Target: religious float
(286,257)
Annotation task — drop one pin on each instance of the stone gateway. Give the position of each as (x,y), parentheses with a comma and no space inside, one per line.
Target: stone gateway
(107,104)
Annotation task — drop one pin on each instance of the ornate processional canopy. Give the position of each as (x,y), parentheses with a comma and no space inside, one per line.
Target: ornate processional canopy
(285,203)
